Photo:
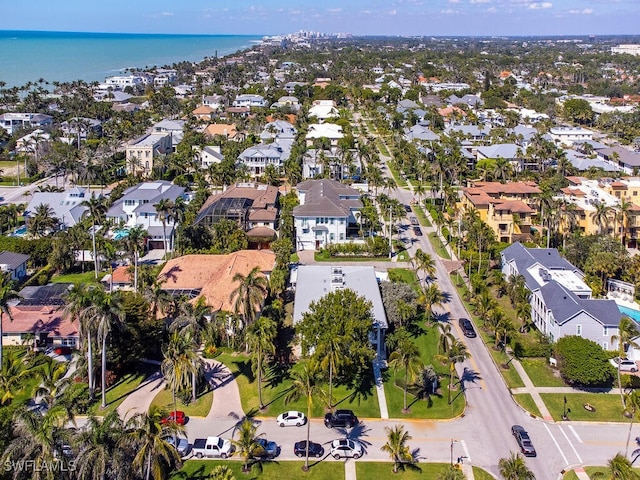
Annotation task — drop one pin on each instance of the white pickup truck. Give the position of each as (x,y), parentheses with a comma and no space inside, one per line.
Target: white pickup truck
(212,447)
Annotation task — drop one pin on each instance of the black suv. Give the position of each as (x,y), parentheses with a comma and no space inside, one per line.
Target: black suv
(467,327)
(340,418)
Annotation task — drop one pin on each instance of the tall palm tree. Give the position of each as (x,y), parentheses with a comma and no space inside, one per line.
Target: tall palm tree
(108,313)
(431,297)
(101,453)
(246,443)
(425,263)
(96,208)
(406,355)
(178,362)
(51,375)
(397,448)
(514,468)
(331,356)
(601,216)
(445,337)
(249,294)
(260,338)
(306,383)
(164,209)
(42,221)
(627,331)
(631,410)
(135,242)
(620,468)
(457,353)
(7,293)
(147,435)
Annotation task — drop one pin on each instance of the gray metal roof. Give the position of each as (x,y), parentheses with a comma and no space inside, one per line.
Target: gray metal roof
(315,281)
(524,258)
(327,197)
(13,260)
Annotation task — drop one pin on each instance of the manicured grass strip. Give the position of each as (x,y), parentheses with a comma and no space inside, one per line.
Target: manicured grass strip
(278,384)
(276,470)
(608,407)
(119,391)
(404,275)
(480,474)
(592,471)
(371,470)
(199,408)
(323,256)
(540,373)
(422,218)
(510,375)
(401,182)
(383,148)
(525,400)
(78,278)
(439,246)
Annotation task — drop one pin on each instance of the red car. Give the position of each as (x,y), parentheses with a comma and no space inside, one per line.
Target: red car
(177,416)
(62,350)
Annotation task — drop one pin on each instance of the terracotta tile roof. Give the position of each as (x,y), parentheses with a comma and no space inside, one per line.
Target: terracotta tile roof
(267,214)
(511,188)
(262,232)
(212,274)
(121,275)
(203,110)
(448,111)
(477,197)
(224,129)
(576,192)
(514,206)
(575,180)
(39,319)
(618,185)
(291,118)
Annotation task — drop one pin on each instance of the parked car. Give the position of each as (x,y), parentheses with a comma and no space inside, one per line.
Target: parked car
(62,350)
(467,328)
(212,447)
(291,418)
(625,364)
(315,449)
(417,231)
(266,449)
(414,221)
(345,448)
(177,416)
(407,208)
(340,418)
(524,441)
(181,445)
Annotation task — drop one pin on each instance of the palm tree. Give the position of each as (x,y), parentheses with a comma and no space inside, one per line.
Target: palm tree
(457,353)
(147,435)
(246,443)
(397,448)
(158,298)
(305,383)
(514,468)
(620,468)
(78,305)
(97,209)
(431,297)
(178,363)
(221,472)
(445,337)
(42,221)
(7,293)
(135,241)
(51,375)
(260,338)
(407,356)
(249,294)
(101,450)
(601,216)
(331,356)
(631,409)
(627,331)
(164,208)
(425,263)
(15,370)
(108,312)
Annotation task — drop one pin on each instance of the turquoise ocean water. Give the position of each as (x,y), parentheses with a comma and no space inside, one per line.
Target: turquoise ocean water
(67,56)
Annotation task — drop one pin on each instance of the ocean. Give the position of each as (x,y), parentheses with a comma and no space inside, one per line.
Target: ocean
(27,56)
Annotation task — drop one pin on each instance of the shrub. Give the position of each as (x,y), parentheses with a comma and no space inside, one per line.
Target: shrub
(531,347)
(583,362)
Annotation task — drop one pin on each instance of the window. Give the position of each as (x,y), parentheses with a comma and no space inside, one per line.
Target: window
(332,237)
(579,330)
(342,236)
(605,346)
(635,193)
(605,332)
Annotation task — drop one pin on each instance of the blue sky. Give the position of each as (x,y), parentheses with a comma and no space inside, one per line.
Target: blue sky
(359,17)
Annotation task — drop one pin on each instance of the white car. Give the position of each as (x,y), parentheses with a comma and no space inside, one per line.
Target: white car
(291,419)
(625,364)
(345,448)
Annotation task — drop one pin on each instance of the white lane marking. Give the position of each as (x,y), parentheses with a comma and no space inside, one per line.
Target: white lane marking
(466,451)
(566,462)
(575,434)
(571,444)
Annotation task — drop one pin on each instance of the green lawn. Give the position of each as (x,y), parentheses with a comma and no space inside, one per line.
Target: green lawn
(438,246)
(200,469)
(480,474)
(378,470)
(200,408)
(276,387)
(591,471)
(404,275)
(436,406)
(570,475)
(119,391)
(540,373)
(525,400)
(608,407)
(422,218)
(77,278)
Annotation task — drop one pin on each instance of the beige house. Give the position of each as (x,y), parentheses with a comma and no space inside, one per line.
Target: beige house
(142,151)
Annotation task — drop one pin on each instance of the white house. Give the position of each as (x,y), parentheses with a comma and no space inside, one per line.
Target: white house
(561,302)
(14,121)
(570,135)
(65,206)
(257,157)
(330,131)
(323,110)
(136,207)
(328,213)
(14,263)
(249,100)
(209,155)
(122,81)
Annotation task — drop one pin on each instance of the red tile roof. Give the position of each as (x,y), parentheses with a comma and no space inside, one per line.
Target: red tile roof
(38,319)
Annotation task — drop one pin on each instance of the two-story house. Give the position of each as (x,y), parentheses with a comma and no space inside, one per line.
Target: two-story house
(14,121)
(136,207)
(327,213)
(250,100)
(142,151)
(65,206)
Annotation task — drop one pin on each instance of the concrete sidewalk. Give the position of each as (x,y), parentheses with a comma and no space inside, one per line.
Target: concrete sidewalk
(532,390)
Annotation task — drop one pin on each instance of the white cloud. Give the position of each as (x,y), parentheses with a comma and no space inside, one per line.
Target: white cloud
(454,1)
(334,10)
(586,11)
(479,1)
(166,14)
(492,9)
(392,12)
(449,11)
(540,6)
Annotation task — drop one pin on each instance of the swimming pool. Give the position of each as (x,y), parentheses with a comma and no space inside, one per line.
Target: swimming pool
(630,312)
(20,231)
(120,234)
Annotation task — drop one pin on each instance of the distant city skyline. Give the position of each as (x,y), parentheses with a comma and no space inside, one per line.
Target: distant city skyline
(358,17)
